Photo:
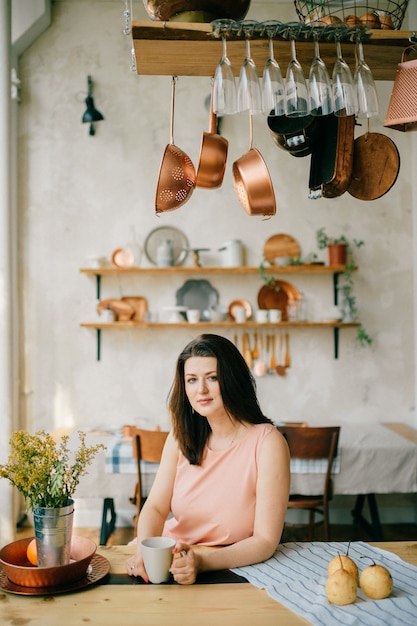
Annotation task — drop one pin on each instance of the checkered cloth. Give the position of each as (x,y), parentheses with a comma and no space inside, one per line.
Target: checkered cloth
(296,575)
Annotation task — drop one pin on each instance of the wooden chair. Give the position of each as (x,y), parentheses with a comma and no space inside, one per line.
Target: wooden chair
(147,446)
(309,442)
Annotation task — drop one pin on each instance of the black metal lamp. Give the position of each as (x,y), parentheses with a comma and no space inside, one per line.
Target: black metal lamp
(91,115)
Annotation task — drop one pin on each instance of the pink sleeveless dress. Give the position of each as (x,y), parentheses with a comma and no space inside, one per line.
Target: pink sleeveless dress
(214,503)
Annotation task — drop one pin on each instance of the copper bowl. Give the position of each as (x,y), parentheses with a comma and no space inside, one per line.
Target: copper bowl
(196,10)
(14,561)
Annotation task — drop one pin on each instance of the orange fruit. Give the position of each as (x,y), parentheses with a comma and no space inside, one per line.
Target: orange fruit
(32,552)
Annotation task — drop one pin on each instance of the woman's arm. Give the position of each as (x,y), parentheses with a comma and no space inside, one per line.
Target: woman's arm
(157,506)
(272,490)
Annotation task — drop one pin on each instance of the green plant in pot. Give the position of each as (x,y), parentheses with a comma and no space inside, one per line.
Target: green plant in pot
(47,474)
(341,252)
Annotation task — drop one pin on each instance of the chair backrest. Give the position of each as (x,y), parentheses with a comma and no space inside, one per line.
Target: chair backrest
(313,442)
(148,444)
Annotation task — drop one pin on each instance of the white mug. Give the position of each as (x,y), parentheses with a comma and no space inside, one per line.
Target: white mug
(274,316)
(193,315)
(157,557)
(240,314)
(261,316)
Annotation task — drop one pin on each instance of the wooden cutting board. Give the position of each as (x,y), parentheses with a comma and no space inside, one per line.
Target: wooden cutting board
(281,245)
(376,163)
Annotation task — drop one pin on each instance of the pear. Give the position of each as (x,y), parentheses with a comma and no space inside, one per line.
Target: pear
(341,587)
(376,582)
(344,561)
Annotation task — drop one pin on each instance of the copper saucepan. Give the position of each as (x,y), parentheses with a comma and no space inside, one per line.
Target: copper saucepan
(176,175)
(213,155)
(252,181)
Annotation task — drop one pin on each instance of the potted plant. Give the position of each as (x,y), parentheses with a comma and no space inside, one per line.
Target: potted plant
(341,253)
(46,474)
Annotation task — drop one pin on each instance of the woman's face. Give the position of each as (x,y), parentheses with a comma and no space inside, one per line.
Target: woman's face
(202,386)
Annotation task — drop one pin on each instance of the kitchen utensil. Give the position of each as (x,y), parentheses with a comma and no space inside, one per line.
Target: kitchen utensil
(165,10)
(319,84)
(252,181)
(280,368)
(123,310)
(177,175)
(213,155)
(224,85)
(255,351)
(260,367)
(287,361)
(273,361)
(261,316)
(296,135)
(376,164)
(247,355)
(273,86)
(368,105)
(296,92)
(332,158)
(281,245)
(249,95)
(402,108)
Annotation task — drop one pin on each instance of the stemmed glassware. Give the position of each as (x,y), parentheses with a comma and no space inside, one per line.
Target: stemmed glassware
(249,97)
(273,86)
(344,95)
(320,85)
(296,92)
(367,98)
(224,85)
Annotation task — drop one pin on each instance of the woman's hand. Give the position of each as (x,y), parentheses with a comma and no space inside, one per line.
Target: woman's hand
(184,566)
(135,567)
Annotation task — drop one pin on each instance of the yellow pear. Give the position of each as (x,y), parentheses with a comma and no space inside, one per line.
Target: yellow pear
(376,582)
(344,561)
(341,587)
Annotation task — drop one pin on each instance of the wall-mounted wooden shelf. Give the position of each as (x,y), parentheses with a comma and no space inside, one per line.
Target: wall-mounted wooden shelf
(189,49)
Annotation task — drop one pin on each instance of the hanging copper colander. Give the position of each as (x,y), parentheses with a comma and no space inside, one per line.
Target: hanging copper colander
(177,175)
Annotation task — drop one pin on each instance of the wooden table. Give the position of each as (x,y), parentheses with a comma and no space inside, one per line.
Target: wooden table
(128,604)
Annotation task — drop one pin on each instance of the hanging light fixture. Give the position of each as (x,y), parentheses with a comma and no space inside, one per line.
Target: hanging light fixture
(91,115)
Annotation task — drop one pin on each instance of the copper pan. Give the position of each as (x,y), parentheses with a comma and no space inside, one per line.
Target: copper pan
(252,181)
(176,175)
(213,155)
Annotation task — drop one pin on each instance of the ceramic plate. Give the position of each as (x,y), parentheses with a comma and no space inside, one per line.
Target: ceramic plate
(268,298)
(281,245)
(198,294)
(99,568)
(179,242)
(243,303)
(122,258)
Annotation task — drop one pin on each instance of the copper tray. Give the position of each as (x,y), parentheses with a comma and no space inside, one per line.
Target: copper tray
(268,298)
(281,245)
(99,568)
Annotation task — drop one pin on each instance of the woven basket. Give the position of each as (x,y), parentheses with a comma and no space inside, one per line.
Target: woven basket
(402,108)
(387,14)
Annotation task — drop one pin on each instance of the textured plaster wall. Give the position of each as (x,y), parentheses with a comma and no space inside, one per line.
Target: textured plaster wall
(78,196)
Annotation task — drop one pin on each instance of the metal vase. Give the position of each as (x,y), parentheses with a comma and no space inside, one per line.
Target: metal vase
(53,532)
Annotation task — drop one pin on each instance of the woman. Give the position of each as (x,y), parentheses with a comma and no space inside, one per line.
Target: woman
(224,473)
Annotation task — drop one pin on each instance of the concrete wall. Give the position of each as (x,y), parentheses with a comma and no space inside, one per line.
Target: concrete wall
(79,195)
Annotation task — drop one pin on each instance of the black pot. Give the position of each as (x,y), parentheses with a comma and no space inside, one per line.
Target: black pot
(296,135)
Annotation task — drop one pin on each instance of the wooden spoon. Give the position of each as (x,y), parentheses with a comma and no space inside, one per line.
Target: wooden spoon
(287,361)
(255,351)
(280,369)
(273,362)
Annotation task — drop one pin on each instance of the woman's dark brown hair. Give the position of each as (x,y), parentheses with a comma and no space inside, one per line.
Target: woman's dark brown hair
(237,387)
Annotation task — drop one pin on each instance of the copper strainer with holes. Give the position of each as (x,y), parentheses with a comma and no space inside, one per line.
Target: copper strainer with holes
(177,175)
(252,182)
